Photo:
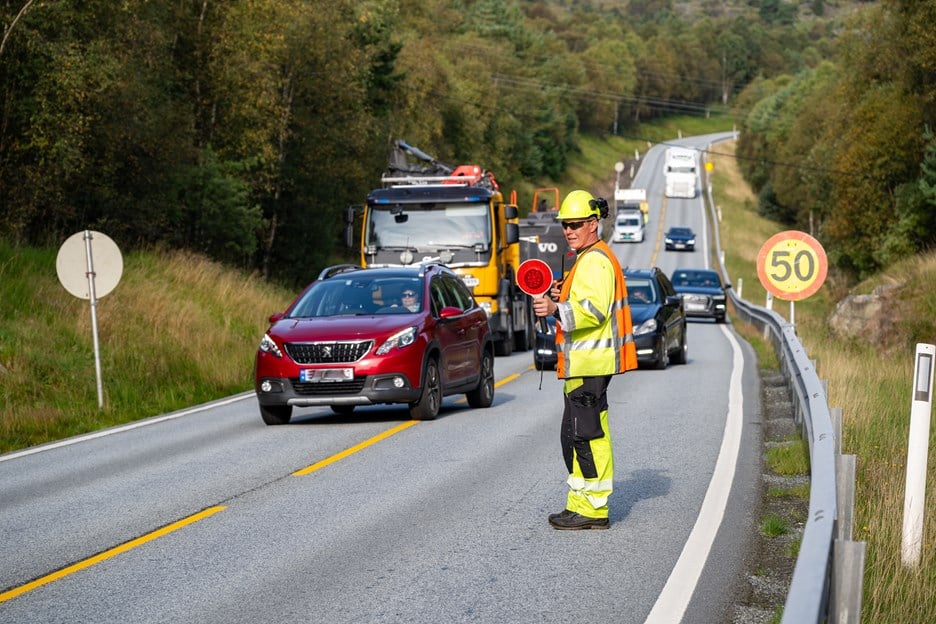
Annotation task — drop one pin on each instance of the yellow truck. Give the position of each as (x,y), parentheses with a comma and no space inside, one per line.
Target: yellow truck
(455,215)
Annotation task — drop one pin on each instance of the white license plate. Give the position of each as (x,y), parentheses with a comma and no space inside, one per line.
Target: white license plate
(325,375)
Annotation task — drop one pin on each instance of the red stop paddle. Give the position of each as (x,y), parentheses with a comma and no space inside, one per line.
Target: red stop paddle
(534,277)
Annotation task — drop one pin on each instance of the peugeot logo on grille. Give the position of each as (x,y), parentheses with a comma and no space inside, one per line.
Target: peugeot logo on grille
(326,351)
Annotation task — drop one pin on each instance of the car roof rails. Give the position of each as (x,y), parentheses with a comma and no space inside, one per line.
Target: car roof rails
(336,269)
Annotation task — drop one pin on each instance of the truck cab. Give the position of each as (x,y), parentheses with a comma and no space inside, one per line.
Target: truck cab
(681,173)
(629,226)
(631,214)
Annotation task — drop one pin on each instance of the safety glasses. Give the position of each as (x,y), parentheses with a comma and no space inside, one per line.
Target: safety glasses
(573,225)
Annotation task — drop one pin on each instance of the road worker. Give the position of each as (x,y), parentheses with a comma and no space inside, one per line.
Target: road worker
(594,341)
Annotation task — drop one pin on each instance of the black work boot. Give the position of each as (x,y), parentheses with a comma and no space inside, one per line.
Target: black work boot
(565,513)
(572,521)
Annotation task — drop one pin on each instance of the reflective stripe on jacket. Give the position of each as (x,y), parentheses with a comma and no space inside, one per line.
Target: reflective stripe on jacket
(588,341)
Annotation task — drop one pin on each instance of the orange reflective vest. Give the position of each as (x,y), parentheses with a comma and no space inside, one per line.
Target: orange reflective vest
(594,334)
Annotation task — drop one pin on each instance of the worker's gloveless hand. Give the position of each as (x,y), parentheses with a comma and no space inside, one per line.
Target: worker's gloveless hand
(555,290)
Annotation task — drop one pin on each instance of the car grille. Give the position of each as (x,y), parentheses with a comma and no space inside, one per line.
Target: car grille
(697,303)
(328,389)
(328,352)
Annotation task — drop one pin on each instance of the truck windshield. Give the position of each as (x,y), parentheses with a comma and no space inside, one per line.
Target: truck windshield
(428,225)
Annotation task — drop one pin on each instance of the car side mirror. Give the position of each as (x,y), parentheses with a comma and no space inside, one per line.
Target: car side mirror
(449,312)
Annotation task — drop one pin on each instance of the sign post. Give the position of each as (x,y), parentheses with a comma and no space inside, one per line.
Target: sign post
(75,265)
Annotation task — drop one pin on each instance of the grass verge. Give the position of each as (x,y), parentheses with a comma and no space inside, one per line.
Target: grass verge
(178,330)
(872,384)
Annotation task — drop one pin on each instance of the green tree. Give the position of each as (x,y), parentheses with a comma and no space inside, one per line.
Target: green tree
(211,212)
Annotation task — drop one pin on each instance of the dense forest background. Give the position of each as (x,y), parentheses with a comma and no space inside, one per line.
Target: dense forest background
(241,128)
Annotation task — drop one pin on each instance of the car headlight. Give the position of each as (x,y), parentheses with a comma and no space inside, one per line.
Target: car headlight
(268,346)
(647,327)
(691,241)
(398,340)
(668,240)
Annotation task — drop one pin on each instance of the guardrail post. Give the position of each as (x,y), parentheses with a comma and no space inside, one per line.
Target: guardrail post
(835,413)
(848,556)
(844,496)
(847,582)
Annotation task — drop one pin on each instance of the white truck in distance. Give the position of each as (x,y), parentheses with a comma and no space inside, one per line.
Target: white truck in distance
(630,215)
(680,170)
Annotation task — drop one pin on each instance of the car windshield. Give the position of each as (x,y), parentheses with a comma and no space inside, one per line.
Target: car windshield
(641,291)
(681,232)
(696,278)
(354,295)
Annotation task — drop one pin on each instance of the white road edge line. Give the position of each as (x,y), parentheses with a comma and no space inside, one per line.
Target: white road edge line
(672,602)
(122,428)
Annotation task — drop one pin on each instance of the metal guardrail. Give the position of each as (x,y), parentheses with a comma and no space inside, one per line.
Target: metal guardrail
(827,580)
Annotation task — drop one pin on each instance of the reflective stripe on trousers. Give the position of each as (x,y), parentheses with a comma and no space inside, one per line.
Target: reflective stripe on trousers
(586,445)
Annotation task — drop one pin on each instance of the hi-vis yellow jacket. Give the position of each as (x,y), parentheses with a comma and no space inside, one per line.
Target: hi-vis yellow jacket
(594,335)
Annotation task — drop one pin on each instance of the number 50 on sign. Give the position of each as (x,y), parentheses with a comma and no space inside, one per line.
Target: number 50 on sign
(792,265)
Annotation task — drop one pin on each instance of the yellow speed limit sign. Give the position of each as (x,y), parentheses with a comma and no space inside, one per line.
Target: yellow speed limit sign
(792,265)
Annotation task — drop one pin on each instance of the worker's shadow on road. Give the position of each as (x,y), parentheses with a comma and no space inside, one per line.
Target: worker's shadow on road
(639,485)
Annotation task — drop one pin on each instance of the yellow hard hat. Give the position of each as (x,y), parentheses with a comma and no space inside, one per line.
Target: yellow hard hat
(578,205)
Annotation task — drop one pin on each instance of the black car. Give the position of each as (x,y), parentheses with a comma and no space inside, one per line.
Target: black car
(544,353)
(679,237)
(658,316)
(702,292)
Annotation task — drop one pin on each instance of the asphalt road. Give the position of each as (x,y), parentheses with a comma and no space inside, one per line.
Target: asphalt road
(208,515)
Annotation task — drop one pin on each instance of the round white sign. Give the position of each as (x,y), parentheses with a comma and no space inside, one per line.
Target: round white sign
(72,264)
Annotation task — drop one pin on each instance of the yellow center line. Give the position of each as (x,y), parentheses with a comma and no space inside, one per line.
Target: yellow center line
(113,552)
(375,439)
(659,236)
(500,383)
(107,554)
(355,448)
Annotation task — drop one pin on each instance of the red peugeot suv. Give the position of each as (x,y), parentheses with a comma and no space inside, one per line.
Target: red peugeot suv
(359,336)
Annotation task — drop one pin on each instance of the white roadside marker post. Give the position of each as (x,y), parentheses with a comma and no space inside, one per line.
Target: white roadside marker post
(917,451)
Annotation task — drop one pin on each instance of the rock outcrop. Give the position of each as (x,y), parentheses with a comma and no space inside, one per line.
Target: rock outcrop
(867,317)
